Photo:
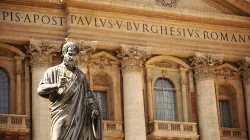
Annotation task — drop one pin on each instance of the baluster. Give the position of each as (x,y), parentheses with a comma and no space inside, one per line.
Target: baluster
(181,127)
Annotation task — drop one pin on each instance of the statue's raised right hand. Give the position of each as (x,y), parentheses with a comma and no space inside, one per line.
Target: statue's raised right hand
(62,82)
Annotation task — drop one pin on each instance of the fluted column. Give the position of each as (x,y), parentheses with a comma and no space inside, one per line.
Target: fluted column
(245,67)
(206,98)
(41,58)
(134,119)
(19,83)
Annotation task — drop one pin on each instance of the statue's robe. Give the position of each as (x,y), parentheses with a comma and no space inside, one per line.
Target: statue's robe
(71,111)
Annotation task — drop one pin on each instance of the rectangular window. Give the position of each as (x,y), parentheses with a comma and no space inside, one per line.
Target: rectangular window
(102,99)
(225,115)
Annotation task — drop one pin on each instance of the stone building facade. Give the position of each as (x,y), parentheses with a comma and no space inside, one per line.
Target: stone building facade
(162,69)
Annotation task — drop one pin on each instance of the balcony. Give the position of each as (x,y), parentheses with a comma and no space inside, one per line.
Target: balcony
(13,123)
(233,134)
(177,130)
(112,130)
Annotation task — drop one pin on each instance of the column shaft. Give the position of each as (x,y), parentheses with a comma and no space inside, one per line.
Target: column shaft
(19,83)
(133,106)
(207,110)
(134,115)
(206,98)
(40,111)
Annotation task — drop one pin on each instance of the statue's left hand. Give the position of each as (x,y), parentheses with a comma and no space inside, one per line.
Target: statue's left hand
(95,114)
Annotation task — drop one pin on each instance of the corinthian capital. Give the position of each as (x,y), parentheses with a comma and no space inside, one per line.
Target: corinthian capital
(42,52)
(132,57)
(203,65)
(245,67)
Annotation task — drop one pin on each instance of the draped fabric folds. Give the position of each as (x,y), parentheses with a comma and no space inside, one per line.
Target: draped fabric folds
(71,111)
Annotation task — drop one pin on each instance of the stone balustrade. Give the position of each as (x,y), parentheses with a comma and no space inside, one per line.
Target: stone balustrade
(233,133)
(12,122)
(111,126)
(169,129)
(112,130)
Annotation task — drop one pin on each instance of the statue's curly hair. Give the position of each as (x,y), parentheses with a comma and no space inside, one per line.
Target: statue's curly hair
(71,45)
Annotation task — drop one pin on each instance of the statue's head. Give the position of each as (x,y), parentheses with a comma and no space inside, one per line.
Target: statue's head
(70,51)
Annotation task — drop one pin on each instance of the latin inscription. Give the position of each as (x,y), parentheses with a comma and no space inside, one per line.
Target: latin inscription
(108,23)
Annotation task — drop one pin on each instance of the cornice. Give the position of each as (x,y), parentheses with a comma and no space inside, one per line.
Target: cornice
(160,12)
(227,7)
(45,4)
(153,11)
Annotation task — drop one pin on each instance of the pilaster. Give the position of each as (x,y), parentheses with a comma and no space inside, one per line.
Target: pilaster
(245,68)
(132,58)
(19,69)
(203,66)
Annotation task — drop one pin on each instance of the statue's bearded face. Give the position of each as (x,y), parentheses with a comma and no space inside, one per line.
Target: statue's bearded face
(70,58)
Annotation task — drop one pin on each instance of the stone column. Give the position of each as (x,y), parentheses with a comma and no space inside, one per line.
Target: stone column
(206,98)
(19,83)
(41,58)
(134,119)
(245,67)
(184,93)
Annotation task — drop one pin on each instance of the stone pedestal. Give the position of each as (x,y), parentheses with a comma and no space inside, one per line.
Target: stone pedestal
(134,119)
(206,98)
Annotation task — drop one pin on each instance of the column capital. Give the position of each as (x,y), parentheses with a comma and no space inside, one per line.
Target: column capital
(245,64)
(245,68)
(85,51)
(133,57)
(203,65)
(42,52)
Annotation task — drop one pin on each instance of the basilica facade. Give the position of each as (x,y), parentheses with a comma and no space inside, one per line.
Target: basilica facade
(160,69)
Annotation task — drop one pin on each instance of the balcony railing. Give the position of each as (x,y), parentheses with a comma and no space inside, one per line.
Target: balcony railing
(233,132)
(112,130)
(11,122)
(173,129)
(111,126)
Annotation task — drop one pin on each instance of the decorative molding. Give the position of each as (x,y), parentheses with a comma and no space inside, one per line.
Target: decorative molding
(226,71)
(203,65)
(245,68)
(46,4)
(3,53)
(163,64)
(103,60)
(244,64)
(167,3)
(133,57)
(102,79)
(42,52)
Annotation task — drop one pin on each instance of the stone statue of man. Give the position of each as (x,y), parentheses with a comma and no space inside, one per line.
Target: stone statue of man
(75,112)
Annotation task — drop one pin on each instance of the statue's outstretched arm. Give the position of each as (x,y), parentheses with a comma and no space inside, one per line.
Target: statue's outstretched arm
(46,88)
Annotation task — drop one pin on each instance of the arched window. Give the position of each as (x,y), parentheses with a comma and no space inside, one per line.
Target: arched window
(4,92)
(165,100)
(228,108)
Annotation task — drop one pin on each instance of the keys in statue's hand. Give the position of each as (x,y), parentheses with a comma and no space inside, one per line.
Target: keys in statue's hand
(62,82)
(61,85)
(95,114)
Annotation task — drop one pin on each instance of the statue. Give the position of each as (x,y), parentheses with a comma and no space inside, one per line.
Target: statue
(75,112)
